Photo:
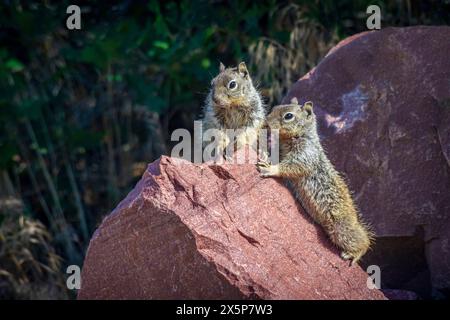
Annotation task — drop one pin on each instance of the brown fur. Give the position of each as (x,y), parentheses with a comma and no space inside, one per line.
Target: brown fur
(321,190)
(239,108)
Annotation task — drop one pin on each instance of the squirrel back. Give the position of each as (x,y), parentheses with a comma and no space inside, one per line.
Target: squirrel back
(315,182)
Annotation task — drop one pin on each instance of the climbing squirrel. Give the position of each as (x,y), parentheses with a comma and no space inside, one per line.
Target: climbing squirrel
(234,103)
(320,189)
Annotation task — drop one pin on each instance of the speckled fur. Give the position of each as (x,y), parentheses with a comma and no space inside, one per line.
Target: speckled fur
(233,109)
(321,190)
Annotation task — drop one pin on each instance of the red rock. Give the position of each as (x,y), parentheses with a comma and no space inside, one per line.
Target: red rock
(203,231)
(383,99)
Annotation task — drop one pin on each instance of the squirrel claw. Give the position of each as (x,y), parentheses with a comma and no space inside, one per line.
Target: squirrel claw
(263,164)
(263,161)
(267,170)
(264,157)
(348,256)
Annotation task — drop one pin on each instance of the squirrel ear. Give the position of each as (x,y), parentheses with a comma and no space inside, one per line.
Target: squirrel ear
(242,68)
(294,100)
(222,67)
(308,107)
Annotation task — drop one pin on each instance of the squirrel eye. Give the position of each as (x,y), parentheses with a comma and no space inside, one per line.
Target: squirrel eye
(232,85)
(289,116)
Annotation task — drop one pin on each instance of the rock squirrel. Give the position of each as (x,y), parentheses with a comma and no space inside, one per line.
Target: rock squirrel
(320,189)
(234,103)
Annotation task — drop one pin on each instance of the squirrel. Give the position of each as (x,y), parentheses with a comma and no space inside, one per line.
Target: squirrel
(234,103)
(315,182)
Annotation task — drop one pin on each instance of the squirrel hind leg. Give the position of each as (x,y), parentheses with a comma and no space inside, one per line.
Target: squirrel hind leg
(350,256)
(346,256)
(357,258)
(354,257)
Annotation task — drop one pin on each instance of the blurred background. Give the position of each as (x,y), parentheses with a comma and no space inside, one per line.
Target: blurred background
(82,112)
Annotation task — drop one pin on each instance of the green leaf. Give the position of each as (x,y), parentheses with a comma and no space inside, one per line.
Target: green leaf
(161,44)
(206,63)
(93,55)
(114,78)
(14,65)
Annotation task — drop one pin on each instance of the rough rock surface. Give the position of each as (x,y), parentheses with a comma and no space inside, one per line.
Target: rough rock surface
(206,231)
(383,100)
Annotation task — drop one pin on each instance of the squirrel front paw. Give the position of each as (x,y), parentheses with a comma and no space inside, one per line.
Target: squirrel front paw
(267,170)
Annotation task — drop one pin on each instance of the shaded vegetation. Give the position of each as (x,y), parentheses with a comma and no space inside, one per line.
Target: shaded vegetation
(83,112)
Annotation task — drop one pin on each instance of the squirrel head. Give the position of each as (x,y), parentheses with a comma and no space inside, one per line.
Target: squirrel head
(232,87)
(292,120)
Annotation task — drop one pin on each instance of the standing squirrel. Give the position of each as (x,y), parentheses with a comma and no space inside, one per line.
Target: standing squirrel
(316,184)
(234,103)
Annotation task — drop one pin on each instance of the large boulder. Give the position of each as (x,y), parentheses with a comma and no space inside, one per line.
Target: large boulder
(206,231)
(383,100)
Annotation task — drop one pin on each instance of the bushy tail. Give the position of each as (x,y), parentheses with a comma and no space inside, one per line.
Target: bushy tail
(354,238)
